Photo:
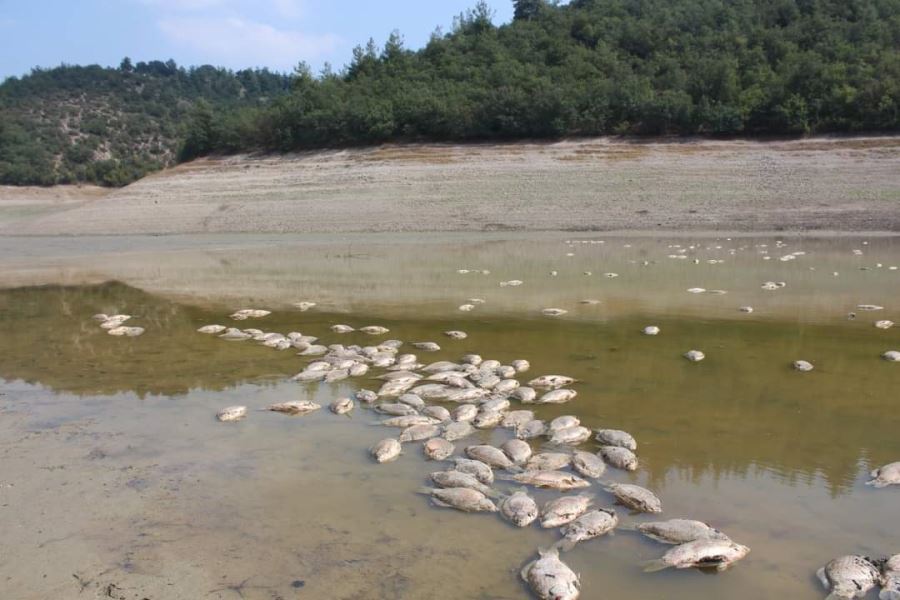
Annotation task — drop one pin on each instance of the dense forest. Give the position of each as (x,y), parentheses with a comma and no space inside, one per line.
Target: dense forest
(112,126)
(588,67)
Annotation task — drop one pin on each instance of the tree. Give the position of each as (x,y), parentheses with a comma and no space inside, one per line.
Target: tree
(125,66)
(526,10)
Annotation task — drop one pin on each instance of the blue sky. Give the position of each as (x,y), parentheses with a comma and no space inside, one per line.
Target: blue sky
(231,33)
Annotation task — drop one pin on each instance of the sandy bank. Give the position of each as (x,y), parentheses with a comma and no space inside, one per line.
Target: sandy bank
(848,184)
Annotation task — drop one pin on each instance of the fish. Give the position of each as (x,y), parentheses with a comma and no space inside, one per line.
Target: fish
(890,584)
(506,386)
(426,346)
(620,458)
(231,414)
(457,430)
(466,395)
(341,406)
(571,436)
(524,394)
(234,335)
(517,450)
(550,578)
(679,531)
(441,365)
(459,479)
(694,355)
(250,313)
(126,331)
(549,461)
(409,420)
(438,449)
(417,433)
(517,418)
(557,397)
(366,396)
(307,375)
(432,391)
(464,412)
(650,330)
(553,312)
(562,423)
(615,437)
(559,511)
(491,456)
(635,497)
(519,508)
(480,470)
(558,480)
(456,334)
(437,412)
(471,359)
(294,407)
(588,464)
(487,419)
(341,328)
(386,450)
(464,499)
(304,306)
(374,329)
(588,526)
(884,476)
(891,355)
(531,429)
(337,375)
(716,553)
(849,576)
(551,382)
(397,409)
(412,400)
(520,365)
(802,366)
(212,329)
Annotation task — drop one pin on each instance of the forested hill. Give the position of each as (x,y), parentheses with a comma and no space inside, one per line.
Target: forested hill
(588,67)
(112,126)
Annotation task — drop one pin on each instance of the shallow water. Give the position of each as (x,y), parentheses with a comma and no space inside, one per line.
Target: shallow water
(117,479)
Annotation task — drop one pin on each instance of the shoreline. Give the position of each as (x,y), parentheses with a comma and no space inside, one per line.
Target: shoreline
(588,186)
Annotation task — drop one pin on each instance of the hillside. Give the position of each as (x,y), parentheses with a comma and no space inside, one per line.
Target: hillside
(112,126)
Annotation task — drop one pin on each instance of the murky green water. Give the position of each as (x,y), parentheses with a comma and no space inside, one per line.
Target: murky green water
(116,473)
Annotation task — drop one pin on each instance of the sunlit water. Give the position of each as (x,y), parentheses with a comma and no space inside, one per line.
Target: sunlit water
(117,479)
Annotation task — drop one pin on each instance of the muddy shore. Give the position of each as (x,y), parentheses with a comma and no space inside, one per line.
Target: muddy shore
(834,184)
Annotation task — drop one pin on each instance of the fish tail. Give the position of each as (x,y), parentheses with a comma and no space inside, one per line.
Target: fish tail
(652,566)
(425,490)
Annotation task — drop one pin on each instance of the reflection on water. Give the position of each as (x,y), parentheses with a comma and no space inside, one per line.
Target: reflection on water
(273,507)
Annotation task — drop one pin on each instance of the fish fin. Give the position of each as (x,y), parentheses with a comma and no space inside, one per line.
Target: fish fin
(820,574)
(652,566)
(425,490)
(565,545)
(440,503)
(524,572)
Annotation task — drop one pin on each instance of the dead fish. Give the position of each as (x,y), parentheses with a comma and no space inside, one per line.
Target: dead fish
(397,409)
(519,508)
(294,407)
(458,479)
(437,412)
(480,470)
(802,365)
(679,531)
(557,397)
(395,387)
(651,330)
(374,329)
(487,419)
(588,464)
(551,382)
(884,476)
(232,413)
(466,395)
(619,457)
(457,430)
(571,436)
(588,526)
(367,396)
(466,307)
(438,448)
(891,356)
(386,450)
(464,412)
(524,394)
(464,499)
(553,312)
(304,306)
(441,365)
(517,418)
(615,437)
(432,391)
(635,497)
(404,376)
(409,421)
(557,480)
(517,450)
(412,400)
(849,576)
(549,461)
(114,321)
(417,433)
(456,335)
(471,359)
(884,324)
(550,578)
(495,404)
(337,375)
(720,554)
(307,376)
(250,313)
(126,331)
(507,372)
(563,422)
(341,406)
(104,317)
(506,386)
(340,328)
(520,365)
(426,346)
(212,329)
(491,456)
(234,335)
(694,355)
(890,585)
(314,350)
(559,511)
(359,369)
(531,429)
